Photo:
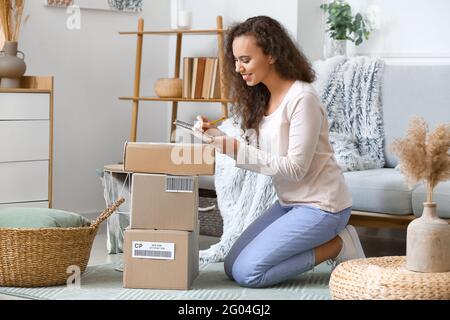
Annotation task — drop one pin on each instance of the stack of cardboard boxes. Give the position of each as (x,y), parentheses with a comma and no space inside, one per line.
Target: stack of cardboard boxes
(161,244)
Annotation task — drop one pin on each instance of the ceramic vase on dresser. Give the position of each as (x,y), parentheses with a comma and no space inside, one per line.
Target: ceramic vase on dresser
(12,67)
(428,242)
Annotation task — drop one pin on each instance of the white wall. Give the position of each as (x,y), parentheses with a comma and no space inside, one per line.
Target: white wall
(311,26)
(92,67)
(95,65)
(411,30)
(233,11)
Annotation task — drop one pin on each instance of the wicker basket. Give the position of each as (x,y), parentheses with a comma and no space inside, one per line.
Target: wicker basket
(386,278)
(211,222)
(40,257)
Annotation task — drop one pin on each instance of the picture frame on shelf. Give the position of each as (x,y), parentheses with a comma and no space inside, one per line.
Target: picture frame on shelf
(107,5)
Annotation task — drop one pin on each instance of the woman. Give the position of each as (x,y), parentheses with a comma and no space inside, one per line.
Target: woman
(270,82)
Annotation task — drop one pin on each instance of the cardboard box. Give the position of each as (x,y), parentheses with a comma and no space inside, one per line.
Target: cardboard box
(169,158)
(160,259)
(164,202)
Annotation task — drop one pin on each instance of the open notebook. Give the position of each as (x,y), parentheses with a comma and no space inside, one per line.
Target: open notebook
(196,133)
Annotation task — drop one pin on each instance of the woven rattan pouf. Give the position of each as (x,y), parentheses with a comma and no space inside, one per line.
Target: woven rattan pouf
(386,278)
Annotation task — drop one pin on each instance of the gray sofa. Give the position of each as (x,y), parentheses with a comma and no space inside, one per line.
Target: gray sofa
(381,197)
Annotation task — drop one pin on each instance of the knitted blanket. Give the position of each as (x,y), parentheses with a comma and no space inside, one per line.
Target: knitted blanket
(350,90)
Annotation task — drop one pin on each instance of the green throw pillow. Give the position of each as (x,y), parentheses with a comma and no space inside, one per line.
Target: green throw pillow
(18,217)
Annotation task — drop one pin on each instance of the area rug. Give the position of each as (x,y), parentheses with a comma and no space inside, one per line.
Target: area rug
(103,282)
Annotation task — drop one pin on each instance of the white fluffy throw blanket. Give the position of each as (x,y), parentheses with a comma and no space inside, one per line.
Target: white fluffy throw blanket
(350,90)
(242,196)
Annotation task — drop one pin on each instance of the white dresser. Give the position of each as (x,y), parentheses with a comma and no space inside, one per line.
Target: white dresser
(26,139)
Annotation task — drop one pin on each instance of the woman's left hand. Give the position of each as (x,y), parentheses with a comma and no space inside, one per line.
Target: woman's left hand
(226,145)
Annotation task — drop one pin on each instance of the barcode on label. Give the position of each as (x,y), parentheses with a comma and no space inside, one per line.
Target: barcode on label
(179,184)
(153,250)
(153,254)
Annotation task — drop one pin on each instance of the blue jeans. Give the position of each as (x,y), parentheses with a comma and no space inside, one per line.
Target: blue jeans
(280,244)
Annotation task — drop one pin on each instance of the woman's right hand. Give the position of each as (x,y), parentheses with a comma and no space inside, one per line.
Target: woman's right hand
(204,125)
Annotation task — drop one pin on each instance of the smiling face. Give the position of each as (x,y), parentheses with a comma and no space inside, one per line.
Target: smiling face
(250,60)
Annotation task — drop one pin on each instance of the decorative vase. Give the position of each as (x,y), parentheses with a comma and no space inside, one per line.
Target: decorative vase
(335,48)
(184,20)
(12,68)
(175,7)
(428,242)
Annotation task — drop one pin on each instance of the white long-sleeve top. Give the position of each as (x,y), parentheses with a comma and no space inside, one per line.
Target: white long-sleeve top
(294,149)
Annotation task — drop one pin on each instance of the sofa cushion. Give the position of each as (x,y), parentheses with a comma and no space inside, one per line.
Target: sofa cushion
(22,217)
(441,195)
(379,190)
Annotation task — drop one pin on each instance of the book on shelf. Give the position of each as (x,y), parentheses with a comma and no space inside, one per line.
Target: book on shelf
(207,78)
(192,79)
(215,82)
(187,75)
(201,78)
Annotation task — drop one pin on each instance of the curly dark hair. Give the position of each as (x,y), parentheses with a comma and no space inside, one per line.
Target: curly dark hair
(250,102)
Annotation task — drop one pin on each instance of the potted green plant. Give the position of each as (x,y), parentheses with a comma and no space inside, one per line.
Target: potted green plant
(343,26)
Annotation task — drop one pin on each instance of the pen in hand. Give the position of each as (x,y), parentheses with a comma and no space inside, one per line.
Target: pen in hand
(204,125)
(218,120)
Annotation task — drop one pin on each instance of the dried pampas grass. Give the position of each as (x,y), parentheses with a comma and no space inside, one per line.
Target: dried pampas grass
(424,156)
(11,18)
